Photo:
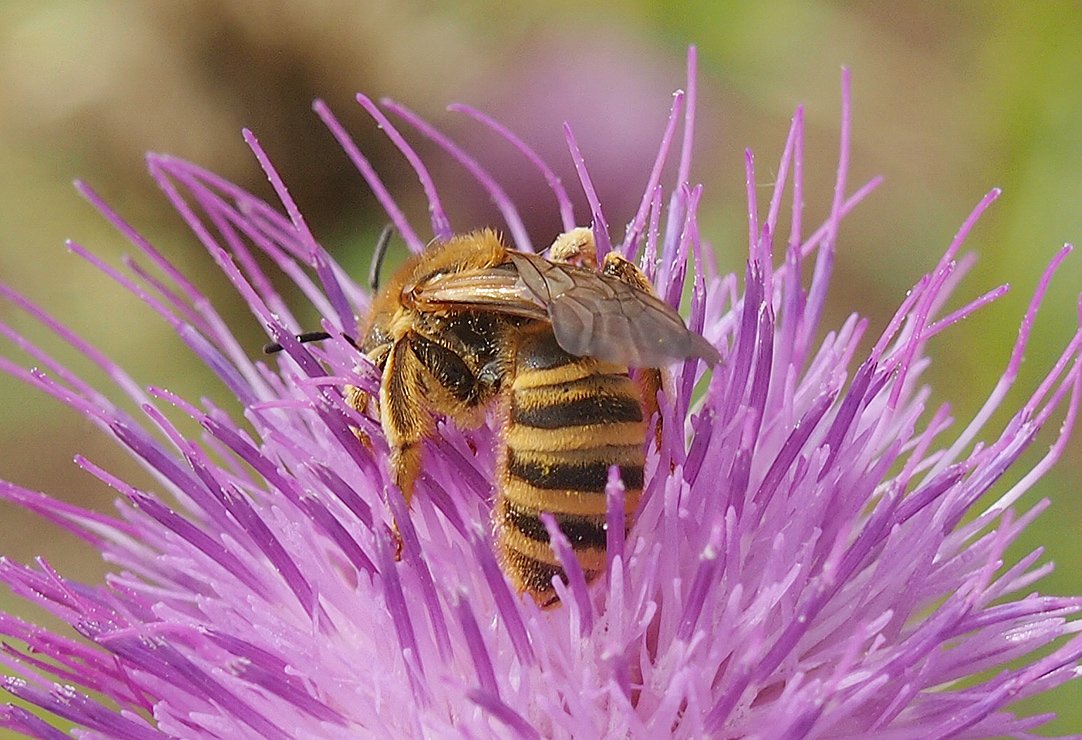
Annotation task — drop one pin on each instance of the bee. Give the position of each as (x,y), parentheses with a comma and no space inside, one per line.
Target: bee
(568,353)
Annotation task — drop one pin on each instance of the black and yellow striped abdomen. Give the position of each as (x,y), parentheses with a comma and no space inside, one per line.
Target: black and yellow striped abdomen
(568,420)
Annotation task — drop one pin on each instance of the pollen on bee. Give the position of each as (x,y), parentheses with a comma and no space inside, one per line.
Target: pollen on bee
(575,247)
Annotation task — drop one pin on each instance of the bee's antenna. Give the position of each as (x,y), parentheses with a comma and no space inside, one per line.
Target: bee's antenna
(378,254)
(309,336)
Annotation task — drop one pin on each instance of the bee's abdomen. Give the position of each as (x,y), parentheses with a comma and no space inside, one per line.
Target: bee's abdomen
(569,420)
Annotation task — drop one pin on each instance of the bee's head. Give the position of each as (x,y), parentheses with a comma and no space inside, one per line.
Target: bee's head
(376,327)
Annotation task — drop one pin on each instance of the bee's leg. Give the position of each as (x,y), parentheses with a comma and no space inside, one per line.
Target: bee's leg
(406,418)
(358,401)
(649,382)
(622,269)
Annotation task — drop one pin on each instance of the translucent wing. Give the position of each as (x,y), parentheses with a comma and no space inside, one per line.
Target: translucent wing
(591,313)
(599,315)
(486,289)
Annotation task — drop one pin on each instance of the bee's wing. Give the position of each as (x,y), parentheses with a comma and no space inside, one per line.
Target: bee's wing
(489,289)
(591,313)
(599,315)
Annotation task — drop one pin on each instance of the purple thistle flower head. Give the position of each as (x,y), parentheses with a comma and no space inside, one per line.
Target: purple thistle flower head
(814,555)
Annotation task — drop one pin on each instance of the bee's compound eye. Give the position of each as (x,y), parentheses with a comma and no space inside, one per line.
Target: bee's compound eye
(490,375)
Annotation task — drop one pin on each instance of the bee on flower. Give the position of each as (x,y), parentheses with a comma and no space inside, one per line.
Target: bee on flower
(788,543)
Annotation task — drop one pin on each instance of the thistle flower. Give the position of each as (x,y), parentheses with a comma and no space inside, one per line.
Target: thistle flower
(814,555)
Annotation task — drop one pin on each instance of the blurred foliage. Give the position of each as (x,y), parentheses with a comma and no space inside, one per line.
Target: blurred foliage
(950,100)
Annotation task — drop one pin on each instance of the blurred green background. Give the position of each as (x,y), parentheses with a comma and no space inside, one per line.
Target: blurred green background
(950,99)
